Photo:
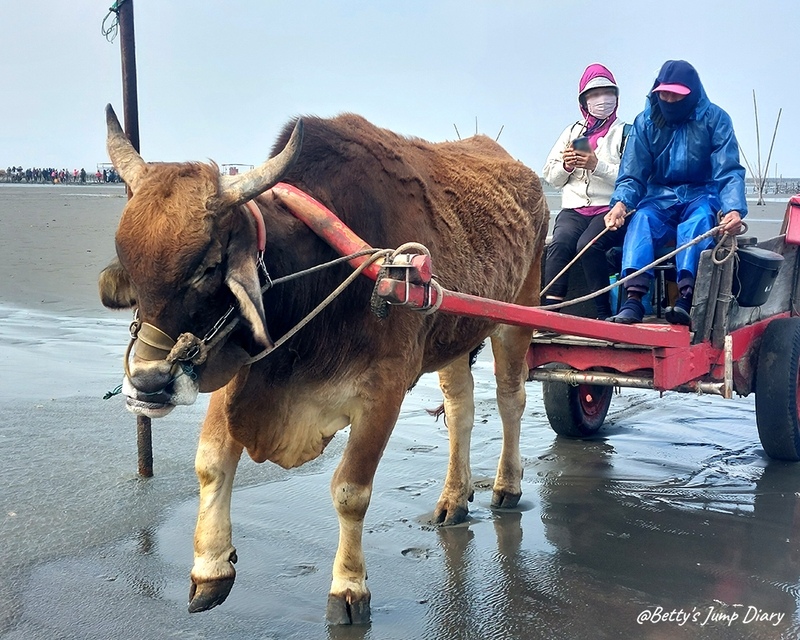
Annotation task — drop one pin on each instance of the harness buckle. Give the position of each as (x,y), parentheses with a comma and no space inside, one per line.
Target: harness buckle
(262,267)
(135,325)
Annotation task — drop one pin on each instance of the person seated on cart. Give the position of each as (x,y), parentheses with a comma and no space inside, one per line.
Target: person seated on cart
(584,163)
(680,168)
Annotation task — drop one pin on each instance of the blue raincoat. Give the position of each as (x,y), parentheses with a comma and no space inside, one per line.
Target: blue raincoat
(678,177)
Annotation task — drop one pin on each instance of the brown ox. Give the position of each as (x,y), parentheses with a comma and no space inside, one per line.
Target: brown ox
(186,250)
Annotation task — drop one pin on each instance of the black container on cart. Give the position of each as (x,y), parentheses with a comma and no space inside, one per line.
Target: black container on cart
(755,275)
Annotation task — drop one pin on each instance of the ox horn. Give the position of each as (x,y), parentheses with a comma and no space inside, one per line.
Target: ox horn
(239,189)
(125,158)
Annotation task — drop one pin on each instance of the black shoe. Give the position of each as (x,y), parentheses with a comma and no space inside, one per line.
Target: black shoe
(679,314)
(603,310)
(631,312)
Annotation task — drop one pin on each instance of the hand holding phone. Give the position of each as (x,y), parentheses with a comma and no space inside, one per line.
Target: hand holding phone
(579,155)
(581,144)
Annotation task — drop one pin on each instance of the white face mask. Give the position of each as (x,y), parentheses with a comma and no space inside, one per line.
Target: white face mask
(601,106)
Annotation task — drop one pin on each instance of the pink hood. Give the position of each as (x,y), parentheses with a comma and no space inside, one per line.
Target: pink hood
(593,71)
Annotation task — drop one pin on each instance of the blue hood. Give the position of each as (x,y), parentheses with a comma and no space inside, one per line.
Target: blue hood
(692,107)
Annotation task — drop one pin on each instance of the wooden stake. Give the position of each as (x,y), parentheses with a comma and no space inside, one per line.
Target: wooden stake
(769,155)
(130,104)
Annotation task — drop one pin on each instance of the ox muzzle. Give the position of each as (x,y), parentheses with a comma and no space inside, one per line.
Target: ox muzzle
(159,371)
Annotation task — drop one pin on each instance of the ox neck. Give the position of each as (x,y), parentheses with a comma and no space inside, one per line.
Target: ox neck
(261,230)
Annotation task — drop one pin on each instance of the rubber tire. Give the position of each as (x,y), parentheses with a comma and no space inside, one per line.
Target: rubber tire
(777,378)
(568,411)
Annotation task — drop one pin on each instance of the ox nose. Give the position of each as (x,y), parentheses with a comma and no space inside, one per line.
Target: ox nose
(148,371)
(151,377)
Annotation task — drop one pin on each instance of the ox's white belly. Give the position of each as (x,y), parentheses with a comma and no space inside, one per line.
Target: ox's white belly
(298,422)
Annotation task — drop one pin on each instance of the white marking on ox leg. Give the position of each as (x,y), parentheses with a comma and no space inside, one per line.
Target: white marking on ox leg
(349,569)
(509,345)
(217,457)
(351,489)
(457,385)
(349,597)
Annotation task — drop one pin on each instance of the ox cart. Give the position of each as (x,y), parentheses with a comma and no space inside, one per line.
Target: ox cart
(734,345)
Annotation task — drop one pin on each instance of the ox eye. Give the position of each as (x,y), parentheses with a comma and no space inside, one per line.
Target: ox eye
(209,273)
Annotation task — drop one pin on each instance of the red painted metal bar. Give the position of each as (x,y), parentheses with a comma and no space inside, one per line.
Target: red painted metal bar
(584,357)
(326,225)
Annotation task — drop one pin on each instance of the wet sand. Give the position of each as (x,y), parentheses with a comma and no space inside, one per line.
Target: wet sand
(673,524)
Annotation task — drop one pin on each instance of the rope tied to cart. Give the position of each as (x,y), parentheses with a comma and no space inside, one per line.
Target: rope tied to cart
(726,243)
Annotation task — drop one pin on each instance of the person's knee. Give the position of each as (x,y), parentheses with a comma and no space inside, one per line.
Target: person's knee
(560,247)
(644,219)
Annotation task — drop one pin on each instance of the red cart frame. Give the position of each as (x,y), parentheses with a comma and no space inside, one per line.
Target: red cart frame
(580,360)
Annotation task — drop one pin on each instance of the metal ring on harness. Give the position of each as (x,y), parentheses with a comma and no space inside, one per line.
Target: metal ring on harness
(433,308)
(151,342)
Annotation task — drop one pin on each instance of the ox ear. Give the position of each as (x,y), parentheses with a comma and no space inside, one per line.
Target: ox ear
(116,290)
(242,279)
(126,160)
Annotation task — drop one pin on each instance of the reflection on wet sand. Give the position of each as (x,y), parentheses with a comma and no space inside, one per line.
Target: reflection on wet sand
(674,509)
(628,559)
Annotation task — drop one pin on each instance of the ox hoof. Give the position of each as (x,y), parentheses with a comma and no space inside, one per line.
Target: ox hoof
(447,517)
(207,595)
(505,499)
(347,609)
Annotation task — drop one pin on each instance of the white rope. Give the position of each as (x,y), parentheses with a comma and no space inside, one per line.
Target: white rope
(671,254)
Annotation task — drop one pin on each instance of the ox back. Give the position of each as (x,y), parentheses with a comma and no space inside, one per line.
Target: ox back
(477,210)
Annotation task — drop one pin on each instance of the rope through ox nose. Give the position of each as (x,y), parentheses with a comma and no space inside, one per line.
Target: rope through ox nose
(189,350)
(193,350)
(377,254)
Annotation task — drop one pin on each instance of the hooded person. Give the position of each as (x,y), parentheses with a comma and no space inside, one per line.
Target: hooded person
(680,169)
(583,163)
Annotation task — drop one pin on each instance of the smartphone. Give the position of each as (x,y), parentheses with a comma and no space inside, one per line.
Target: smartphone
(581,144)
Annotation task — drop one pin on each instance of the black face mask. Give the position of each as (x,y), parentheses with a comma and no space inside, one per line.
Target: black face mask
(677,112)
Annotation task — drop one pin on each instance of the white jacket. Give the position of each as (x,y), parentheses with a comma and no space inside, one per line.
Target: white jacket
(581,187)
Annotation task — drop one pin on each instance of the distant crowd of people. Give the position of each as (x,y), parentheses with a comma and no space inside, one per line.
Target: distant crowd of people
(51,175)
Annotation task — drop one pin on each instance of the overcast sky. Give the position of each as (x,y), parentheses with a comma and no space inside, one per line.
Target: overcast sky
(218,79)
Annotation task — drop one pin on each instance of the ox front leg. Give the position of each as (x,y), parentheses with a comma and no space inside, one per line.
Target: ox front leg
(457,386)
(351,490)
(217,457)
(509,346)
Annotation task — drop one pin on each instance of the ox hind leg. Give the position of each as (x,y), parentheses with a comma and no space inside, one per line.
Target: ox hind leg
(351,490)
(456,383)
(509,346)
(217,457)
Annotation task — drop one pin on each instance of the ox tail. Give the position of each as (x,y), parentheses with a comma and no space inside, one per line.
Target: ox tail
(439,411)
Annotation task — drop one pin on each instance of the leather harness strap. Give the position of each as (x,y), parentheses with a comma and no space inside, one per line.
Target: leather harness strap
(260,227)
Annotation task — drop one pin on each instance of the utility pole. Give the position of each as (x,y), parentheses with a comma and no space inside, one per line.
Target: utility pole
(130,105)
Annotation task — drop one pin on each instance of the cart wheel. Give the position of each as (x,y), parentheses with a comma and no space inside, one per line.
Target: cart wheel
(576,411)
(777,402)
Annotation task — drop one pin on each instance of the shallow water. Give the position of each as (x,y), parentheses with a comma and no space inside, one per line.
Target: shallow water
(674,509)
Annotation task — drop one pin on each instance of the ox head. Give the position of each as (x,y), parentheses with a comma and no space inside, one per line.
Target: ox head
(186,253)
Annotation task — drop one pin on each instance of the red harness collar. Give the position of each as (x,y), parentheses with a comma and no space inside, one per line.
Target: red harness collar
(260,228)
